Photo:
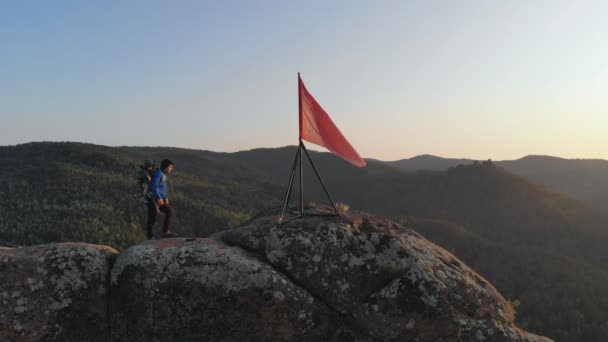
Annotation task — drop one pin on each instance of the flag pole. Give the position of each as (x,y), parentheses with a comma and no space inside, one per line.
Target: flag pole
(300,145)
(301,180)
(295,163)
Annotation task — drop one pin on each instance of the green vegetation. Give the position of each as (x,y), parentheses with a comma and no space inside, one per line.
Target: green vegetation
(78,192)
(536,246)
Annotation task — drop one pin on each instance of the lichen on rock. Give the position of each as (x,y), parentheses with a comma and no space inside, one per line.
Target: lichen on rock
(55,292)
(385,280)
(205,290)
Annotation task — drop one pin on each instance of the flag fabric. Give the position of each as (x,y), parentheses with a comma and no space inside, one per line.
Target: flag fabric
(317,127)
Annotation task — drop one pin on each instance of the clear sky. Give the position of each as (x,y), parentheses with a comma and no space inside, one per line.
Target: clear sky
(475,79)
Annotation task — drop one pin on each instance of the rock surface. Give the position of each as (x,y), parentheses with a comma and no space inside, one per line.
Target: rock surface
(203,290)
(353,277)
(385,280)
(55,292)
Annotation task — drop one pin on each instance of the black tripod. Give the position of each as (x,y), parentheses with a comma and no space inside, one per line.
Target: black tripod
(301,213)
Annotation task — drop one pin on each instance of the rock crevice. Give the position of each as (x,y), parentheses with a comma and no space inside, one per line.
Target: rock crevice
(287,275)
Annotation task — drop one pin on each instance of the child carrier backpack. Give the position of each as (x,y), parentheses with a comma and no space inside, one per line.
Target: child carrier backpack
(142,175)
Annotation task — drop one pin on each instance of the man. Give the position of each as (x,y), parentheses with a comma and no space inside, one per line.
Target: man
(159,201)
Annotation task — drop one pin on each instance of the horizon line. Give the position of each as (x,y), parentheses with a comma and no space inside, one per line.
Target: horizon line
(313,150)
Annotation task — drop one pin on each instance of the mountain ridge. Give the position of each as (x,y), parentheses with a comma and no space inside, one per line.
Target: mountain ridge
(585,179)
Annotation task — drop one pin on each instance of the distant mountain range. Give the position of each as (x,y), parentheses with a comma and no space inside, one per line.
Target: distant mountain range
(583,179)
(540,246)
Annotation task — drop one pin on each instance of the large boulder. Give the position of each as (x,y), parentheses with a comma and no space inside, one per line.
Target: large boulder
(56,292)
(385,280)
(203,290)
(352,277)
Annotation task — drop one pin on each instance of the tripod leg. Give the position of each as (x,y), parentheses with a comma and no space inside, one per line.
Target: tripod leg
(293,173)
(319,177)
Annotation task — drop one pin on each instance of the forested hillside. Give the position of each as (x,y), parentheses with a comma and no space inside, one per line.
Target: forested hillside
(81,192)
(539,247)
(583,179)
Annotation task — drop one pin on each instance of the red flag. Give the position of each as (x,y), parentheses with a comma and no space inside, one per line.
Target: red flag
(316,127)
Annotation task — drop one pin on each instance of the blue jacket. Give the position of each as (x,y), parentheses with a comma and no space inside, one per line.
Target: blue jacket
(158,185)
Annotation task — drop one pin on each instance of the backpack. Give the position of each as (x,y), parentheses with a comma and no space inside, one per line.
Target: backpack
(142,178)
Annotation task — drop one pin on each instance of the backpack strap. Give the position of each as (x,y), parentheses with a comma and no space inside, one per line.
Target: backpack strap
(163,178)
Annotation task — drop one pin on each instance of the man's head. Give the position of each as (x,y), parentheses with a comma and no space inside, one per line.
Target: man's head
(167,166)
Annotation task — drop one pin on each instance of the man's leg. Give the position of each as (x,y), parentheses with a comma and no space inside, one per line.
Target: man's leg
(152,214)
(168,217)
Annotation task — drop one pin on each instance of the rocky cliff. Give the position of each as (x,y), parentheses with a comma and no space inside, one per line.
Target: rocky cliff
(353,277)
